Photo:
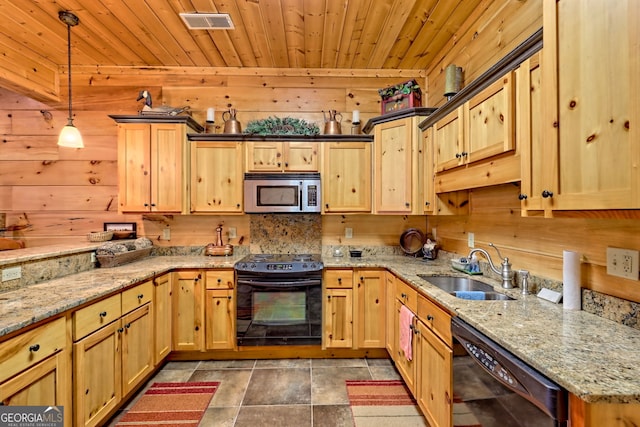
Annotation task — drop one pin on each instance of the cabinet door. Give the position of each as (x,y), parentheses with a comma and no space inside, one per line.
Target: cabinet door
(188,310)
(220,315)
(393,166)
(407,368)
(216,177)
(97,375)
(167,173)
(337,325)
(390,310)
(434,378)
(265,156)
(162,318)
(429,193)
(529,133)
(301,156)
(591,133)
(46,384)
(346,178)
(448,137)
(134,167)
(137,347)
(370,308)
(490,129)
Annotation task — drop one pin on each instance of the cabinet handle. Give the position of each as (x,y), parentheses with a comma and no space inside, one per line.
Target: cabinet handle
(326,205)
(429,317)
(361,279)
(464,154)
(286,164)
(153,204)
(411,327)
(522,196)
(427,203)
(340,280)
(403,295)
(458,155)
(146,205)
(121,330)
(546,194)
(329,297)
(219,280)
(407,204)
(229,297)
(128,325)
(103,314)
(237,205)
(34,348)
(140,296)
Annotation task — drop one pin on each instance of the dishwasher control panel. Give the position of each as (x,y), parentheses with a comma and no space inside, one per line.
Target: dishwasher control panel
(493,366)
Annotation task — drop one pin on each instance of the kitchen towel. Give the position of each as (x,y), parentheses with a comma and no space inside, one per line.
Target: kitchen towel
(571,293)
(474,295)
(406,331)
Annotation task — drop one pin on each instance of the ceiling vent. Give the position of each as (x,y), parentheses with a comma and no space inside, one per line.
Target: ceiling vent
(207,21)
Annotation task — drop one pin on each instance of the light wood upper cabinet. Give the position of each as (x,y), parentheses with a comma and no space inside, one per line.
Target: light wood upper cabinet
(397,167)
(216,177)
(346,177)
(151,167)
(590,83)
(271,156)
(481,128)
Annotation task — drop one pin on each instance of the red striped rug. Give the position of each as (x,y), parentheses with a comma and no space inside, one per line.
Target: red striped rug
(389,403)
(170,405)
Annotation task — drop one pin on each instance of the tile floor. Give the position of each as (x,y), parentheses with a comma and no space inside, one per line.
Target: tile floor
(283,393)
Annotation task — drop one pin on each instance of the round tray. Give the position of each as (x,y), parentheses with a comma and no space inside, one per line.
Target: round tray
(100,236)
(412,240)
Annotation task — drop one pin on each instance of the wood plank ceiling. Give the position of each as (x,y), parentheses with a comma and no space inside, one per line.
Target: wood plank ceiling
(332,34)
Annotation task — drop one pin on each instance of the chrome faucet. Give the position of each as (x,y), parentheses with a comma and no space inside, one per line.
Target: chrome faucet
(505,272)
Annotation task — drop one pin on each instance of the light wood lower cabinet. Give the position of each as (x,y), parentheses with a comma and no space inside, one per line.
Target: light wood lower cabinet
(188,310)
(337,322)
(370,293)
(220,310)
(36,369)
(161,318)
(111,360)
(406,366)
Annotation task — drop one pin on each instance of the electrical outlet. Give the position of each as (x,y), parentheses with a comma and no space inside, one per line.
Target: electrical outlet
(623,263)
(12,273)
(166,234)
(232,232)
(93,257)
(348,233)
(471,240)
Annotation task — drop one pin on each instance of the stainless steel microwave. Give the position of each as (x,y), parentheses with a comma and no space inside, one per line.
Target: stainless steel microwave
(282,193)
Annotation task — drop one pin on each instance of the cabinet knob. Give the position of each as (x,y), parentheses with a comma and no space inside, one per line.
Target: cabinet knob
(339,279)
(34,348)
(103,314)
(146,205)
(403,295)
(464,154)
(286,164)
(121,330)
(153,204)
(522,196)
(427,203)
(361,279)
(429,317)
(128,325)
(407,204)
(546,194)
(219,280)
(279,164)
(458,155)
(237,205)
(326,206)
(140,296)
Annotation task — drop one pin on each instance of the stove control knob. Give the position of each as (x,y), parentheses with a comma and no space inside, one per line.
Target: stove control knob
(253,266)
(242,266)
(304,265)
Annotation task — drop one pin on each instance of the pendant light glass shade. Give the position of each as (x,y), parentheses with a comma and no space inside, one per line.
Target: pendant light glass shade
(70,135)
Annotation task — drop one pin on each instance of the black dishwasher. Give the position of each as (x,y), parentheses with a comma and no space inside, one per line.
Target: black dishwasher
(515,376)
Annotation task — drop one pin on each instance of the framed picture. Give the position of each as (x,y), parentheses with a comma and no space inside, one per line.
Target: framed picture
(122,230)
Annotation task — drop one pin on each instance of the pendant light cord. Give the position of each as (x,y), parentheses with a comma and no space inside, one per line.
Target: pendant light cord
(70,119)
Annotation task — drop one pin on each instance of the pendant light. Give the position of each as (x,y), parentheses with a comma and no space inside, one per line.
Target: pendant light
(70,135)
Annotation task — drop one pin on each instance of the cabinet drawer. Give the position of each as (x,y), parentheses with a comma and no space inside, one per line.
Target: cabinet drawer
(407,295)
(29,348)
(435,318)
(338,279)
(137,296)
(91,318)
(220,279)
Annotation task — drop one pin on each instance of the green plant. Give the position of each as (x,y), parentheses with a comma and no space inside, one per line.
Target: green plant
(281,126)
(401,89)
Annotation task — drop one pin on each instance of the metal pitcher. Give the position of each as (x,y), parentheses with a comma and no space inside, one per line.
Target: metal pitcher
(231,125)
(332,122)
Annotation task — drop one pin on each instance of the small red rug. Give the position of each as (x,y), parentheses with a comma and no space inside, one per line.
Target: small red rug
(390,403)
(170,405)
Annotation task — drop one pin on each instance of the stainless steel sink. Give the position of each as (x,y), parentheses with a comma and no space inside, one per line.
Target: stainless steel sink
(465,287)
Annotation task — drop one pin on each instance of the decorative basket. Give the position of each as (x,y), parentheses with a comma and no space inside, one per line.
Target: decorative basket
(100,236)
(122,258)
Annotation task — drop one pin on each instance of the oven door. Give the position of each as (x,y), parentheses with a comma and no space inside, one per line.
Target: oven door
(279,312)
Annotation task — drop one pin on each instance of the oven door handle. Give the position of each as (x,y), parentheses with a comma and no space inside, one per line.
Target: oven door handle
(280,283)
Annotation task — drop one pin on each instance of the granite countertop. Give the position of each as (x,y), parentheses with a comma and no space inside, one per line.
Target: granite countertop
(594,358)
